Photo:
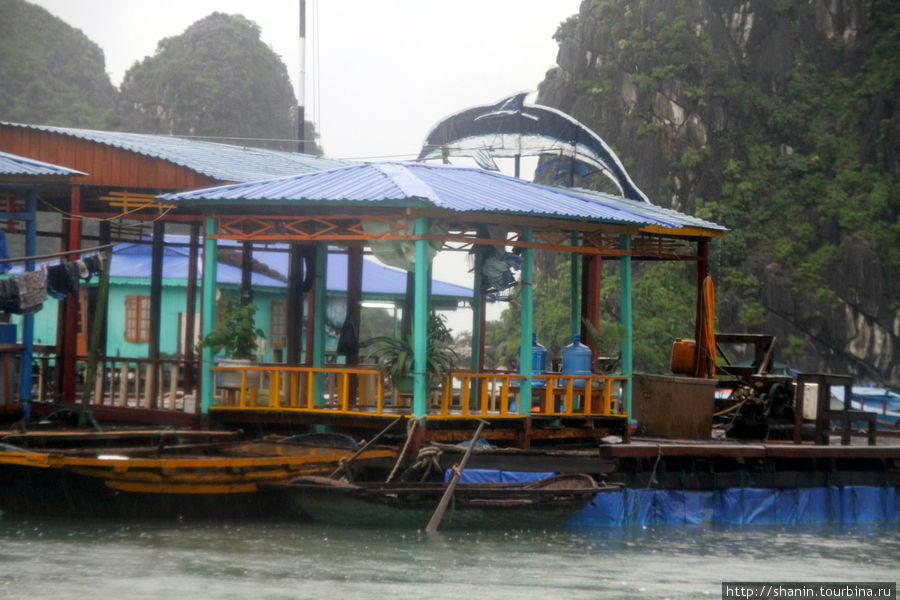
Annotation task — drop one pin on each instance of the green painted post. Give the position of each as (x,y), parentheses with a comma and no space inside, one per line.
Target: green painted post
(527,326)
(627,331)
(319,304)
(477,316)
(575,286)
(476,363)
(210,260)
(420,323)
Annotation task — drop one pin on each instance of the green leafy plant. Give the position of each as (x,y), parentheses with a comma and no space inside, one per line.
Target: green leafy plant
(235,332)
(395,357)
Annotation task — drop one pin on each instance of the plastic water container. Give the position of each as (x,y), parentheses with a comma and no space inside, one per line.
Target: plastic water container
(576,360)
(538,361)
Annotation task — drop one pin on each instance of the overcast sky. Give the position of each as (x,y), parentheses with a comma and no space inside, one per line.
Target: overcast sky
(379,74)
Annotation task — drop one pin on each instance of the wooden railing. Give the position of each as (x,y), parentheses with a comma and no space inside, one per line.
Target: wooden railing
(124,382)
(362,390)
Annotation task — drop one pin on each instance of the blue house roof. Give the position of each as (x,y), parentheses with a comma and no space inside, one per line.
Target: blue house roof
(133,260)
(13,164)
(421,184)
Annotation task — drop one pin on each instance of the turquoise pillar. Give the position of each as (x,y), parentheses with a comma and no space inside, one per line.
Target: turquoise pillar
(627,331)
(28,319)
(319,304)
(527,325)
(420,323)
(208,309)
(477,315)
(575,288)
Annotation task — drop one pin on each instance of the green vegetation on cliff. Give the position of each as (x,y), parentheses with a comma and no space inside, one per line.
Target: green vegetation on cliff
(217,79)
(776,119)
(50,73)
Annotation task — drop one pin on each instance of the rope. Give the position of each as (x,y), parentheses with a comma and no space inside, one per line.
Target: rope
(410,428)
(428,461)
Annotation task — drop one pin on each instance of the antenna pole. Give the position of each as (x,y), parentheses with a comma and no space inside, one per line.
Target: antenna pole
(301,84)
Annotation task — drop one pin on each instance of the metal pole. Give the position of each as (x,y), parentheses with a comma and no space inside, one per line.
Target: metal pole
(301,83)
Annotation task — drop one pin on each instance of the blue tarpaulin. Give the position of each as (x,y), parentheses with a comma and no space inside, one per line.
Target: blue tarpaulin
(733,506)
(741,506)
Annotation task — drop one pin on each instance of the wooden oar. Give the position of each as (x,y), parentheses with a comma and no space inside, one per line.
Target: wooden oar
(365,447)
(451,485)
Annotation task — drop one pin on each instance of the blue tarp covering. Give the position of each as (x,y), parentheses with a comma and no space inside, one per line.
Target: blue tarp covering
(494,476)
(734,506)
(741,506)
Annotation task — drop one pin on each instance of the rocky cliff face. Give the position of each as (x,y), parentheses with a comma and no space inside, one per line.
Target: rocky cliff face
(738,111)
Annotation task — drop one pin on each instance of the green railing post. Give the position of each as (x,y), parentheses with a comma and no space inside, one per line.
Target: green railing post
(527,326)
(627,331)
(208,309)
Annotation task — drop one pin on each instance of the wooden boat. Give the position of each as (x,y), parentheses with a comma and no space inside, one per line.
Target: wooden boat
(536,505)
(156,474)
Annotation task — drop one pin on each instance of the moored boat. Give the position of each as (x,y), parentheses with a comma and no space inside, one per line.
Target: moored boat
(545,503)
(205,477)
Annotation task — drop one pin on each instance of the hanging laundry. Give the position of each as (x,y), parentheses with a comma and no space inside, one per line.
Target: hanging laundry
(63,280)
(9,295)
(23,294)
(32,291)
(94,264)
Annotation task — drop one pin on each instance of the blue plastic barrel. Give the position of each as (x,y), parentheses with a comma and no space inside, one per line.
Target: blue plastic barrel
(538,361)
(576,360)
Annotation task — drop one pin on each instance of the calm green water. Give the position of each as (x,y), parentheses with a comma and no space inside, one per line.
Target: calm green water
(43,558)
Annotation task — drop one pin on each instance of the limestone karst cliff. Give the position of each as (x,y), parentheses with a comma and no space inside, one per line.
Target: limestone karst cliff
(778,119)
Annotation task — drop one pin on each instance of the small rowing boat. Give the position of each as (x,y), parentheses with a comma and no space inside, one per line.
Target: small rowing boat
(538,504)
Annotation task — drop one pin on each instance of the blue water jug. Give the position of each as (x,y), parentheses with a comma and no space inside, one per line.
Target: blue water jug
(538,361)
(576,360)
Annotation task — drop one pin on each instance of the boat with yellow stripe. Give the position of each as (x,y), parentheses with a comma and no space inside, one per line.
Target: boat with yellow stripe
(162,474)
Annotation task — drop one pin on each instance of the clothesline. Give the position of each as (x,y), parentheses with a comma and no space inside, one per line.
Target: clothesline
(55,254)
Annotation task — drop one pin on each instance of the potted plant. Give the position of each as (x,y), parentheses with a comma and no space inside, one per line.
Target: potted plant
(395,357)
(235,336)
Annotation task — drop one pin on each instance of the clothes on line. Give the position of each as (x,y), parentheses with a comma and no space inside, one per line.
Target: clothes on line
(26,293)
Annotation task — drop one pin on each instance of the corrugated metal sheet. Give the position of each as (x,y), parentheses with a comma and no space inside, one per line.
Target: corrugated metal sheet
(461,189)
(13,164)
(224,162)
(678,219)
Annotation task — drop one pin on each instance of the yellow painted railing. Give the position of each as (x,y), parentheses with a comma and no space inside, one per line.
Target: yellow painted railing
(362,390)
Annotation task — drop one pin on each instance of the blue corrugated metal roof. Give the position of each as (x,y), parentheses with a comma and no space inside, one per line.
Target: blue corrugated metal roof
(399,183)
(13,164)
(676,218)
(223,162)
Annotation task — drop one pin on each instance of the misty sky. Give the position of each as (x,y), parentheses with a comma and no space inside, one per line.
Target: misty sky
(379,75)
